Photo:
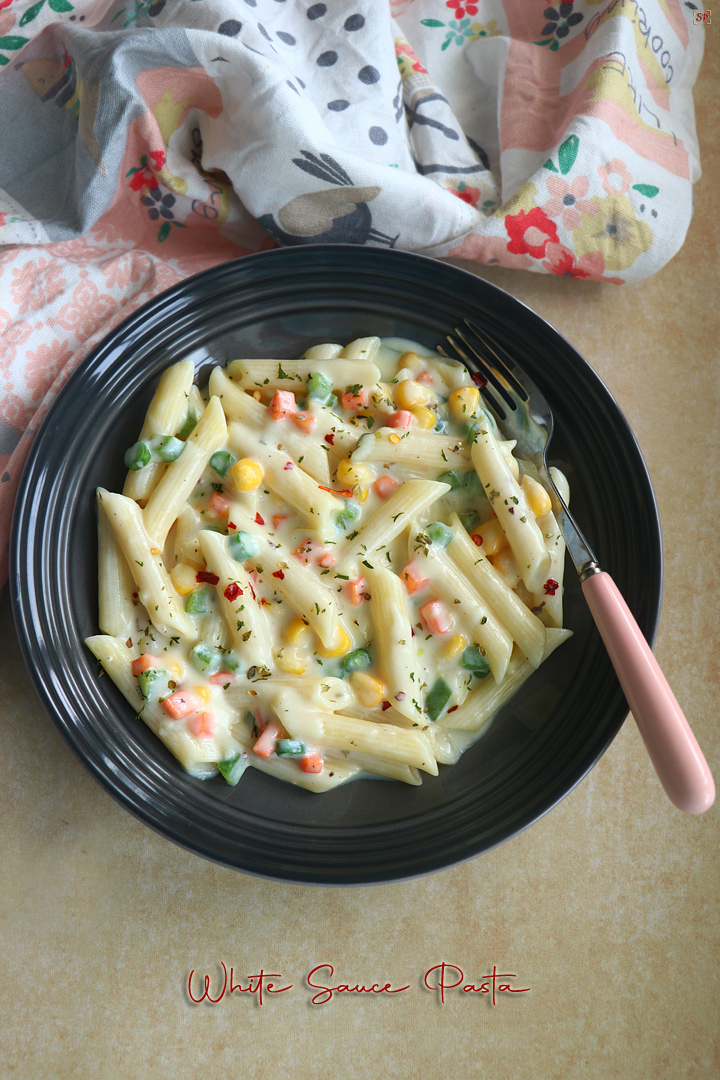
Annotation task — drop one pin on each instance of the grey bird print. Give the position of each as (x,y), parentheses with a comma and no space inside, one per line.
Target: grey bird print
(339,216)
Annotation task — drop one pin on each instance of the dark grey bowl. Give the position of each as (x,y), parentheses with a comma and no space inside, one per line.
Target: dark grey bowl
(277,304)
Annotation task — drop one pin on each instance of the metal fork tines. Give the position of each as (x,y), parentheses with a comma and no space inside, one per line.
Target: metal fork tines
(523,414)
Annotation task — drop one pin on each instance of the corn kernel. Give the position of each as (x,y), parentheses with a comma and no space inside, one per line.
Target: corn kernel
(361,494)
(368,690)
(246,475)
(297,632)
(340,645)
(409,394)
(537,497)
(454,647)
(492,536)
(203,692)
(352,473)
(463,402)
(425,418)
(183,579)
(176,671)
(291,661)
(394,438)
(408,359)
(257,395)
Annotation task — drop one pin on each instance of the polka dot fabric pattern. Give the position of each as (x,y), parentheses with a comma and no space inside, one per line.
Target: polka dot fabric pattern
(152,139)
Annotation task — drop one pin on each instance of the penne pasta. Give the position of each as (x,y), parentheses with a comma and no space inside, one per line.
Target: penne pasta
(166,415)
(171,494)
(154,587)
(243,615)
(508,500)
(484,701)
(271,375)
(395,643)
(523,626)
(391,517)
(115,582)
(406,746)
(315,587)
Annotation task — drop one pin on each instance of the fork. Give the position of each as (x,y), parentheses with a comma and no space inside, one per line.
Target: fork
(524,414)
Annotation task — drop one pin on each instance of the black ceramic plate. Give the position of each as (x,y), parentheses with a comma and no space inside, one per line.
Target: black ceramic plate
(276,304)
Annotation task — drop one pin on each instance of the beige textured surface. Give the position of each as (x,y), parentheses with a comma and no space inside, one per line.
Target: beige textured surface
(607,908)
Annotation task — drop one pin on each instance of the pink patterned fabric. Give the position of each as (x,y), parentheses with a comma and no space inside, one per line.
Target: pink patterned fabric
(146,140)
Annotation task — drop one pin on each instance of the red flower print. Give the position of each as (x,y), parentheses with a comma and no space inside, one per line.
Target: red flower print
(561,261)
(464,191)
(5,3)
(462,7)
(530,233)
(142,178)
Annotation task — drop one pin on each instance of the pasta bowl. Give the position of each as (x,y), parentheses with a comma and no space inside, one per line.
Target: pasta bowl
(277,304)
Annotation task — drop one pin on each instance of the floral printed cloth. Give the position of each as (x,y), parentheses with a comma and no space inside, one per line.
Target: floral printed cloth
(145,140)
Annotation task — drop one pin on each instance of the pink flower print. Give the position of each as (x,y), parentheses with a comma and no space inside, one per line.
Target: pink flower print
(87,311)
(44,364)
(35,284)
(12,334)
(126,268)
(568,200)
(616,168)
(14,412)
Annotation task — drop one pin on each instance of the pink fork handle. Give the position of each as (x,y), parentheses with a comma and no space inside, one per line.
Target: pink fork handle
(673,749)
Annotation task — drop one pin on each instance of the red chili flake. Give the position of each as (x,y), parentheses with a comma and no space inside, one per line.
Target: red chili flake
(232,525)
(206,576)
(233,591)
(401,696)
(551,587)
(330,439)
(279,574)
(259,520)
(386,705)
(412,631)
(477,539)
(452,708)
(479,380)
(288,465)
(345,493)
(264,602)
(252,591)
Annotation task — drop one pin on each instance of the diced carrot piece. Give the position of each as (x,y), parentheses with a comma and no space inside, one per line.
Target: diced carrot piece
(385,485)
(312,762)
(182,703)
(265,745)
(218,504)
(145,662)
(306,421)
(436,618)
(424,377)
(203,725)
(305,551)
(326,559)
(282,404)
(400,419)
(278,518)
(221,678)
(356,591)
(414,577)
(353,401)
